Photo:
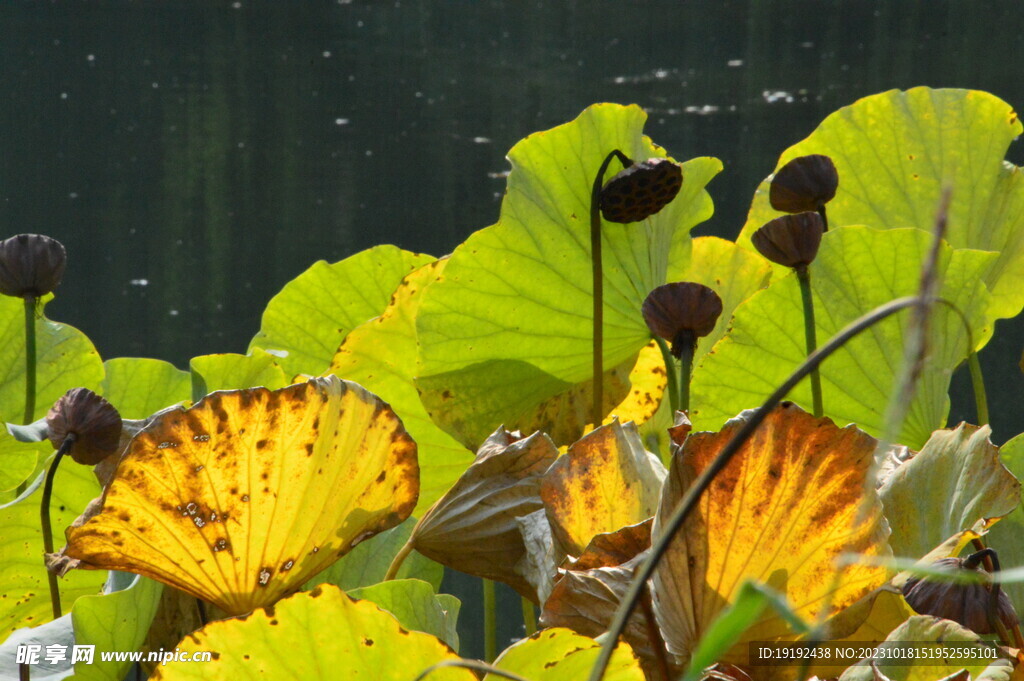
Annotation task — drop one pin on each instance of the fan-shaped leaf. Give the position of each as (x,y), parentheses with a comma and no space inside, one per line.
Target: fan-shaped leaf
(245,496)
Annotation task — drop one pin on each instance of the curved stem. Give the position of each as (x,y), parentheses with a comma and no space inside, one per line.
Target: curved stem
(400,557)
(490,622)
(978,383)
(693,494)
(597,410)
(685,369)
(810,334)
(670,372)
(824,217)
(44,520)
(529,618)
(30,358)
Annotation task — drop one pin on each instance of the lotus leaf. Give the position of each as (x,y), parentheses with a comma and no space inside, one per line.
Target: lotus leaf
(856,270)
(242,498)
(789,504)
(558,654)
(1007,536)
(896,151)
(416,607)
(306,321)
(318,635)
(18,459)
(230,371)
(514,302)
(140,387)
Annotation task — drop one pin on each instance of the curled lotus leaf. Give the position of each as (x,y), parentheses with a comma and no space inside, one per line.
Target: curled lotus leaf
(967,487)
(473,528)
(791,502)
(615,548)
(605,481)
(541,558)
(242,498)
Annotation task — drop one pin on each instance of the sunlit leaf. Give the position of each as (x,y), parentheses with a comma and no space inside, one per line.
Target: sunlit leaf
(306,321)
(18,459)
(65,359)
(559,654)
(952,484)
(473,528)
(24,590)
(415,605)
(1007,536)
(318,635)
(381,355)
(242,498)
(789,504)
(896,151)
(926,635)
(605,481)
(229,371)
(515,300)
(140,387)
(856,270)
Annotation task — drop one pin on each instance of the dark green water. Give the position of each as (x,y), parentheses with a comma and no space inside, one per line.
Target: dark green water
(196,155)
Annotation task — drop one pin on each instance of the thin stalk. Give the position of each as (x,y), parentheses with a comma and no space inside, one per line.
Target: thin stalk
(399,558)
(978,382)
(597,410)
(490,622)
(670,372)
(824,217)
(685,369)
(693,494)
(810,335)
(24,673)
(30,358)
(529,617)
(203,619)
(44,520)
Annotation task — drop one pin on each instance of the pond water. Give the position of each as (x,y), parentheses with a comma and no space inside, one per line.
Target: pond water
(194,156)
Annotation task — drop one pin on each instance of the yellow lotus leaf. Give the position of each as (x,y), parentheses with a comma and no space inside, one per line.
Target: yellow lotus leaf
(318,635)
(559,654)
(605,481)
(791,502)
(242,498)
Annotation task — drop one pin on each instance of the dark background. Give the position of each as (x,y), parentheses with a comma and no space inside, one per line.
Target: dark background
(196,155)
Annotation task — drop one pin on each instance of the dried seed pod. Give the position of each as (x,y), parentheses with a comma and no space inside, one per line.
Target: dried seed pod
(681,312)
(93,421)
(804,184)
(31,264)
(792,240)
(641,190)
(966,604)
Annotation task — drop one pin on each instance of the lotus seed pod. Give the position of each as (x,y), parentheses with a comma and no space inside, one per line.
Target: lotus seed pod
(681,313)
(93,421)
(966,604)
(31,264)
(641,190)
(804,184)
(792,240)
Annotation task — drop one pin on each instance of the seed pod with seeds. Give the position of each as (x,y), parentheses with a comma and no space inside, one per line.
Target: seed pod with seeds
(641,190)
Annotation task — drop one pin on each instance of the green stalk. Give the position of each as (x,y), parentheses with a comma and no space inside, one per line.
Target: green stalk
(670,372)
(687,349)
(810,335)
(597,411)
(44,518)
(400,558)
(490,622)
(529,617)
(30,358)
(978,382)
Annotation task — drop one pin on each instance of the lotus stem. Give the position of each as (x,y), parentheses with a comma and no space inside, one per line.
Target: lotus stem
(671,373)
(597,412)
(685,369)
(203,619)
(44,520)
(490,622)
(978,382)
(529,617)
(810,334)
(24,673)
(693,494)
(824,217)
(30,358)
(400,557)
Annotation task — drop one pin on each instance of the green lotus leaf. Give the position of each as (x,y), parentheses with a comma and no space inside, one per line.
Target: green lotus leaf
(857,269)
(924,634)
(895,152)
(65,359)
(368,562)
(1007,536)
(966,485)
(318,635)
(139,387)
(513,308)
(416,607)
(229,371)
(381,356)
(307,320)
(24,590)
(557,654)
(18,459)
